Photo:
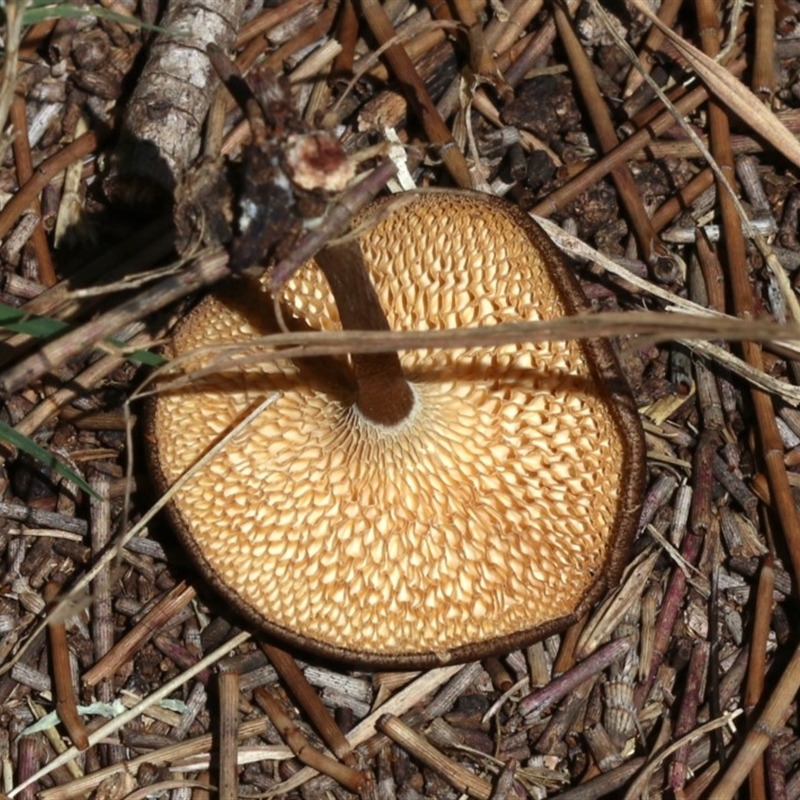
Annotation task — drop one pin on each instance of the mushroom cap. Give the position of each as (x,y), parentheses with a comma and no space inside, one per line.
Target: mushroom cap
(492,516)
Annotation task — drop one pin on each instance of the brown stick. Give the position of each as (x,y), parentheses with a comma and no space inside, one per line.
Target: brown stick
(204,272)
(66,705)
(417,93)
(682,200)
(228,734)
(605,784)
(269,18)
(532,706)
(347,34)
(501,678)
(307,697)
(712,273)
(778,708)
(668,13)
(24,164)
(165,755)
(142,632)
(757,665)
(114,264)
(480,52)
(350,778)
(457,776)
(763,80)
(520,15)
(565,659)
(625,150)
(102,620)
(604,128)
(500,34)
(84,381)
(770,440)
(46,171)
(29,760)
(740,144)
(687,715)
(35,37)
(668,615)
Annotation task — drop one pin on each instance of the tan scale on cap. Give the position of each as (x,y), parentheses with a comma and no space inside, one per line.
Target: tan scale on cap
(497,510)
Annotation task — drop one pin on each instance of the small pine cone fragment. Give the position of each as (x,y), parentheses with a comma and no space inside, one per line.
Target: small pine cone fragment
(620,717)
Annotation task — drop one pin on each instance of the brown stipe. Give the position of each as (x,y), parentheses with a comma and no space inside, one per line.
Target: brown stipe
(492,514)
(379,376)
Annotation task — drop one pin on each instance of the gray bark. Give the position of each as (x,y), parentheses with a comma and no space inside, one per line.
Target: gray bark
(161,129)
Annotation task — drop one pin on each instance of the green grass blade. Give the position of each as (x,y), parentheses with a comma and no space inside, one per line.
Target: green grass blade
(18,321)
(26,445)
(141,356)
(38,11)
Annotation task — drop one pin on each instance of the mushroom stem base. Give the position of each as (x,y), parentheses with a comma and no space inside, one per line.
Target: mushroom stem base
(384,395)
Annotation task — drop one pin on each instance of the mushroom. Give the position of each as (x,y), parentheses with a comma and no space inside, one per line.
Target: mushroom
(413,509)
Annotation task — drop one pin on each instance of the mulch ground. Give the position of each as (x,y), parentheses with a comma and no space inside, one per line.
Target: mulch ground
(688,688)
